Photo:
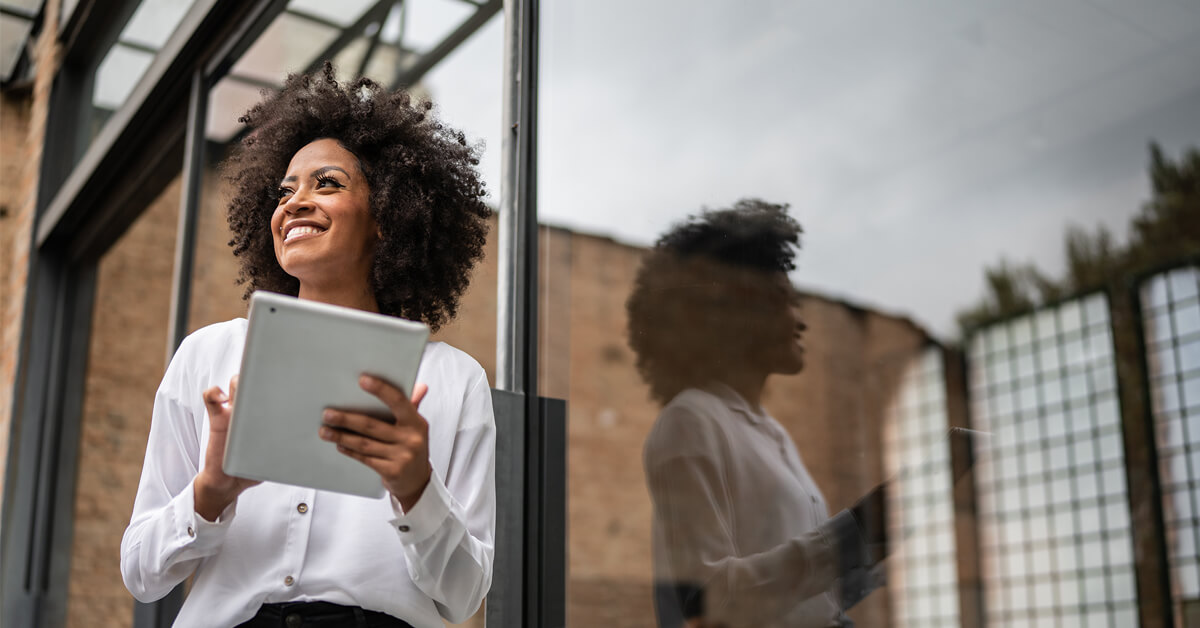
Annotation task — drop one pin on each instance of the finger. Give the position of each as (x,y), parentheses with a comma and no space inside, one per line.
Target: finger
(360,423)
(355,442)
(378,465)
(215,399)
(393,397)
(233,383)
(419,393)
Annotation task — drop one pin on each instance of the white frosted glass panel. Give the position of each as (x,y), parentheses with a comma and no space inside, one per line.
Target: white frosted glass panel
(428,22)
(118,74)
(289,44)
(154,21)
(342,12)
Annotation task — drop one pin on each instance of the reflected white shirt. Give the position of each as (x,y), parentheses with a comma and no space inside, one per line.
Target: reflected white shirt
(280,543)
(737,514)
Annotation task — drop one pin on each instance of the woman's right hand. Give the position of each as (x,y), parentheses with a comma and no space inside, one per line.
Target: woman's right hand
(214,490)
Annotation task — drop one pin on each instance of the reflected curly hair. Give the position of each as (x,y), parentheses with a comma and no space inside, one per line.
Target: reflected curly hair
(700,293)
(425,193)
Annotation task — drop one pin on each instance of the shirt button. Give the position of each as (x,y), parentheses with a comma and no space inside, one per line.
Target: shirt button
(191,532)
(404,528)
(294,621)
(302,508)
(289,581)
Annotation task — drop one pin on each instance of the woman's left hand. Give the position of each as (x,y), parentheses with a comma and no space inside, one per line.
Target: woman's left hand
(398,452)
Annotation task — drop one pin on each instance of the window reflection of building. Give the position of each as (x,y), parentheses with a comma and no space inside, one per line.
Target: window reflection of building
(1054,513)
(1171,311)
(922,574)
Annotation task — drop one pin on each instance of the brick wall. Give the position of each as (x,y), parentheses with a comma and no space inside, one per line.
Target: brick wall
(126,360)
(22,133)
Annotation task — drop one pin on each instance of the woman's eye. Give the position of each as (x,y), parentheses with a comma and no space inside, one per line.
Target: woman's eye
(284,191)
(328,182)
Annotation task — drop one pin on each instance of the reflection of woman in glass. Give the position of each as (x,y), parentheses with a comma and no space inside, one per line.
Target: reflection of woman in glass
(742,536)
(351,195)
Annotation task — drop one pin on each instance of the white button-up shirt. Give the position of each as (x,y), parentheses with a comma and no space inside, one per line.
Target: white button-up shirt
(737,516)
(280,543)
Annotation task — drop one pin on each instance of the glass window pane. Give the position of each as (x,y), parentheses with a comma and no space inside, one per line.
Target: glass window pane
(342,13)
(118,74)
(288,45)
(771,101)
(154,21)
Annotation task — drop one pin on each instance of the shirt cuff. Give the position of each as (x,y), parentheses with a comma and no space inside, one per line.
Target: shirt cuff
(426,516)
(848,540)
(195,534)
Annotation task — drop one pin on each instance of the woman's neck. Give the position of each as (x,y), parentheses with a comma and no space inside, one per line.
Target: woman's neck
(358,297)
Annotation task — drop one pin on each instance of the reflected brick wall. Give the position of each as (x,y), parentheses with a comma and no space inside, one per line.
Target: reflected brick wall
(834,411)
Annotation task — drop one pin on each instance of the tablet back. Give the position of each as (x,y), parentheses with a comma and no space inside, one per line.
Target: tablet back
(300,358)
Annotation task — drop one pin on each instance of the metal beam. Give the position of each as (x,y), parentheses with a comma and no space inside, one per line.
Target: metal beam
(105,159)
(377,13)
(410,76)
(18,12)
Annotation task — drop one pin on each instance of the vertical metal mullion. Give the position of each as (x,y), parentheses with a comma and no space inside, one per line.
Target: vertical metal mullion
(1144,495)
(510,310)
(67,418)
(522,603)
(189,210)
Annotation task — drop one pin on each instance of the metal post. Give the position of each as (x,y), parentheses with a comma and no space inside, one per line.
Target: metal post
(530,540)
(510,340)
(189,210)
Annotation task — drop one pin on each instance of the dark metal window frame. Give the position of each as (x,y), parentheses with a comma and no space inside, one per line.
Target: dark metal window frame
(83,209)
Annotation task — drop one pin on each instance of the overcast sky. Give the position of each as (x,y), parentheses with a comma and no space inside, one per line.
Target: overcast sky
(916,142)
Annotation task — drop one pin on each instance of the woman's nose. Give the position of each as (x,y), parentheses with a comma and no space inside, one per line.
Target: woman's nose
(297,203)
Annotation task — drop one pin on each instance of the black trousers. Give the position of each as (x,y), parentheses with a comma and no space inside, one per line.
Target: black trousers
(322,614)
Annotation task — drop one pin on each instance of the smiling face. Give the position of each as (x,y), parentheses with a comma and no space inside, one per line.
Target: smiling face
(322,227)
(778,347)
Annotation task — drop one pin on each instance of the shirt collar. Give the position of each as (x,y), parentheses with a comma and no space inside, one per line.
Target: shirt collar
(735,402)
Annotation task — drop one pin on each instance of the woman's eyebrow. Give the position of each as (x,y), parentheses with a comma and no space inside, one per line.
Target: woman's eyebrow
(320,171)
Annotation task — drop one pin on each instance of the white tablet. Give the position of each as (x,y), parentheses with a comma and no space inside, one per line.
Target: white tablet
(300,358)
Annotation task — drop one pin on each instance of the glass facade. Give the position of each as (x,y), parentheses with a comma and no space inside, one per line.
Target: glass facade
(772,245)
(1053,504)
(1171,312)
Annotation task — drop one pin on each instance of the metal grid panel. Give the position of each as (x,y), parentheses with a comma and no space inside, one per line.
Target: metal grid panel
(1171,311)
(922,574)
(1054,517)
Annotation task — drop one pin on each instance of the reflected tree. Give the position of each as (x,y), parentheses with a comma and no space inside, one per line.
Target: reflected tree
(1166,230)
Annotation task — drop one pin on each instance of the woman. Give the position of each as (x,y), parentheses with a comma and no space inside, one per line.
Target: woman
(350,195)
(742,535)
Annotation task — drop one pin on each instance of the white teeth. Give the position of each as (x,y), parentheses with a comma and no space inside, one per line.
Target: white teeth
(299,231)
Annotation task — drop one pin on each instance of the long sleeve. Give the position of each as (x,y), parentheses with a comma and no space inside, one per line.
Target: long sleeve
(166,539)
(447,536)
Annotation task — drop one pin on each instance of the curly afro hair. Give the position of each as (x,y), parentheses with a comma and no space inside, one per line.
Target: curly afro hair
(700,293)
(426,195)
